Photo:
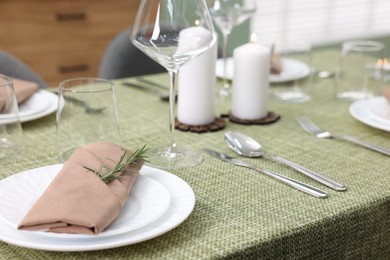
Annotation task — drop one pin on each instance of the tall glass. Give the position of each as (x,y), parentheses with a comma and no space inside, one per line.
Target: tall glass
(11,136)
(173,32)
(228,14)
(359,74)
(87,112)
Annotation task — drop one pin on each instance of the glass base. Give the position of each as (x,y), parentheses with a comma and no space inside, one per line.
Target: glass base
(224,92)
(173,158)
(354,95)
(290,96)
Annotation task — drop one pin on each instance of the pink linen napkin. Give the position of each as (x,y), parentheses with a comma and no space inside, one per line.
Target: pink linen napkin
(386,93)
(79,202)
(276,64)
(23,90)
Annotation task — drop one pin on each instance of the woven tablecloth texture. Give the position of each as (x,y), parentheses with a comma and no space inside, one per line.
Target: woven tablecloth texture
(239,213)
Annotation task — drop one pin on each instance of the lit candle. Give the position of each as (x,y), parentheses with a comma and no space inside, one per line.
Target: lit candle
(196,92)
(250,81)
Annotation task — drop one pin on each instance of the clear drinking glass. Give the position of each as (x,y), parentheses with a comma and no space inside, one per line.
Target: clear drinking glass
(87,112)
(173,32)
(228,14)
(11,137)
(359,75)
(294,83)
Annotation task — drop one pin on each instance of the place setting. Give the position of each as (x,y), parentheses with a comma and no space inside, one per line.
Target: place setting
(158,202)
(292,69)
(360,80)
(101,195)
(33,102)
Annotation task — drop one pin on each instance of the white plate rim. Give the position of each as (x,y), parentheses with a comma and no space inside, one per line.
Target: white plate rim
(360,111)
(52,107)
(53,99)
(272,78)
(36,103)
(183,203)
(151,208)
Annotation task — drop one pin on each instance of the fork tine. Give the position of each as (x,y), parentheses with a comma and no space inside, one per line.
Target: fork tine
(309,126)
(302,120)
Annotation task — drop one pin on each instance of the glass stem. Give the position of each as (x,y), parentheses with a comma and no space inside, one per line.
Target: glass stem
(224,57)
(172,99)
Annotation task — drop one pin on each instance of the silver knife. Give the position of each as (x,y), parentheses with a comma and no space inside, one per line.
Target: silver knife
(152,83)
(293,183)
(164,96)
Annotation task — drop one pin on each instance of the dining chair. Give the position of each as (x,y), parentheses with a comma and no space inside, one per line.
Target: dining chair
(122,59)
(13,67)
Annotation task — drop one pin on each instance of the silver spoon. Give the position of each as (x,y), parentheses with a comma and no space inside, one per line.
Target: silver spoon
(248,147)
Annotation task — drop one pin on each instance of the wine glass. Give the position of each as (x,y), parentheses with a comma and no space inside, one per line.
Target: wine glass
(228,14)
(173,32)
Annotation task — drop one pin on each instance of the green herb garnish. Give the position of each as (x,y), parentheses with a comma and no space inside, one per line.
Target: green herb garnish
(107,174)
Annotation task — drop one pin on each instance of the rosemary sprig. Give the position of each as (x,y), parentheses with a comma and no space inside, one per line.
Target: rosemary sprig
(107,174)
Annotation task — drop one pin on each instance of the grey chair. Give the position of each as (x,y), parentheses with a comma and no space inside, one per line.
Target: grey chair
(122,59)
(13,67)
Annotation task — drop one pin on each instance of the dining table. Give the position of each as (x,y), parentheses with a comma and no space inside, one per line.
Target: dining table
(240,213)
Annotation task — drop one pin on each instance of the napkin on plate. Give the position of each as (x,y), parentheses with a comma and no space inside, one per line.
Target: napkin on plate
(23,90)
(276,63)
(79,202)
(386,93)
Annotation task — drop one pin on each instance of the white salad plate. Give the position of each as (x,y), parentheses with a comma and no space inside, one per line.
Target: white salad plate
(291,70)
(373,112)
(148,200)
(40,104)
(380,110)
(182,202)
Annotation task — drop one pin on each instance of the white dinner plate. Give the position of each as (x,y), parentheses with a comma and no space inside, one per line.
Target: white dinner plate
(380,110)
(361,110)
(148,201)
(291,70)
(41,104)
(36,103)
(181,206)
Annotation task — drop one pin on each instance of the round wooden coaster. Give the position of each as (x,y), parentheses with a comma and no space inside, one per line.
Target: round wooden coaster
(271,117)
(218,124)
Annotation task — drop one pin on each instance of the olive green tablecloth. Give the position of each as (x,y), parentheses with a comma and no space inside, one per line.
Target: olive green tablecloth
(239,213)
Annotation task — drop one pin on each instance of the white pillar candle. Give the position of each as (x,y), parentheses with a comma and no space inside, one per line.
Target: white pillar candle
(250,81)
(196,92)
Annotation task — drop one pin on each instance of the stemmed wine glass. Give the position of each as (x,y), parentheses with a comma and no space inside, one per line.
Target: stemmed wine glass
(228,14)
(173,32)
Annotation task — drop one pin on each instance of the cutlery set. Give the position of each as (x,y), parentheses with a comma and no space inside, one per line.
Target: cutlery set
(248,147)
(151,86)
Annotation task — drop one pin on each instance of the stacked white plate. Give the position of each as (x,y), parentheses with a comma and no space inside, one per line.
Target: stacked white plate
(374,112)
(40,104)
(158,202)
(292,70)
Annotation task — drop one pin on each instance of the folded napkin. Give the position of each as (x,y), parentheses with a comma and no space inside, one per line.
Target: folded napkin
(276,64)
(79,202)
(386,93)
(23,90)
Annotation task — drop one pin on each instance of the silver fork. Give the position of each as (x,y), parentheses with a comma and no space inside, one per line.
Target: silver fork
(315,130)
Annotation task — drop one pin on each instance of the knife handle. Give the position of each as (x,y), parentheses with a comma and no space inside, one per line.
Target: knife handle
(322,179)
(293,183)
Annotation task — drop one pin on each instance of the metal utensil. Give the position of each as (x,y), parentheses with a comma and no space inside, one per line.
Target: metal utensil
(163,96)
(88,109)
(310,127)
(293,183)
(248,147)
(152,83)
